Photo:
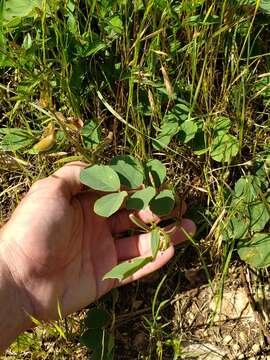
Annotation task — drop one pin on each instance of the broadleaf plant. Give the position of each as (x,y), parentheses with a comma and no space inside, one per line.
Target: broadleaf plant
(97,335)
(247,219)
(136,185)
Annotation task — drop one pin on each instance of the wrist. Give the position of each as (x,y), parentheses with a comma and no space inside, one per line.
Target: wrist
(15,309)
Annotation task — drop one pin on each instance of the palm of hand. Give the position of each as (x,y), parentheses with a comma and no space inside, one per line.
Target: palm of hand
(65,250)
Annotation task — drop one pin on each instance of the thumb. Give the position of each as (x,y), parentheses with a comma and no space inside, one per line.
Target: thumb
(69,177)
(66,180)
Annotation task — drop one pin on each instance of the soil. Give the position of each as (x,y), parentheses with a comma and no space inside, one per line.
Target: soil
(232,329)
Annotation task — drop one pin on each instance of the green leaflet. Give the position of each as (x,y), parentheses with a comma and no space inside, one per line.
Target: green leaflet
(127,268)
(171,125)
(255,251)
(259,215)
(92,338)
(109,204)
(247,188)
(97,318)
(168,129)
(188,131)
(19,8)
(91,134)
(155,171)
(222,125)
(16,139)
(129,170)
(141,198)
(155,242)
(224,147)
(237,226)
(163,203)
(101,178)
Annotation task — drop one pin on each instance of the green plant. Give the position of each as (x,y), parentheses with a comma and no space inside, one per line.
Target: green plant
(178,123)
(224,145)
(144,186)
(152,324)
(97,336)
(248,217)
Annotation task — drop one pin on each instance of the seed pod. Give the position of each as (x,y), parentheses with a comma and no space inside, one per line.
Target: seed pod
(48,141)
(151,101)
(45,144)
(167,81)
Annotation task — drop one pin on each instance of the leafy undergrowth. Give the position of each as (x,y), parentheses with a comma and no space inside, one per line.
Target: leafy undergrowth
(183,82)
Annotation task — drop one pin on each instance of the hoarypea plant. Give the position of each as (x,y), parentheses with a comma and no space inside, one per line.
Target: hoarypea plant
(136,185)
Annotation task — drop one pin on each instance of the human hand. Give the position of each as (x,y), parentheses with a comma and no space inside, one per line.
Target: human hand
(58,250)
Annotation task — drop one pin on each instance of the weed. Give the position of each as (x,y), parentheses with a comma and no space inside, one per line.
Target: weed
(131,174)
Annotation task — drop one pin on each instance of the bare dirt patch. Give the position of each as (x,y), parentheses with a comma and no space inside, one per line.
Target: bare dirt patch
(213,329)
